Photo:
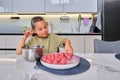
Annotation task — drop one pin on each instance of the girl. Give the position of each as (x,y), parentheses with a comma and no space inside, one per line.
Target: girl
(51,42)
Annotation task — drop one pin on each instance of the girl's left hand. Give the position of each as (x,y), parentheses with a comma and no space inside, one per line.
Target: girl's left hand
(68,49)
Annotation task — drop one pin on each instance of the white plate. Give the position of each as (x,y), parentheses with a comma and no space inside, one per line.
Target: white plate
(75,59)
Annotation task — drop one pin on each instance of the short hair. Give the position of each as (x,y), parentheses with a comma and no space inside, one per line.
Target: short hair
(36,19)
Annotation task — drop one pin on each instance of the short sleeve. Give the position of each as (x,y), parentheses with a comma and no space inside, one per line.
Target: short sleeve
(58,40)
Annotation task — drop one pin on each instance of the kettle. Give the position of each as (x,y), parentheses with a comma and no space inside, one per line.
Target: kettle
(32,53)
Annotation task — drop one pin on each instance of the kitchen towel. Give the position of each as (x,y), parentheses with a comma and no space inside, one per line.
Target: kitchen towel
(98,22)
(86,21)
(83,66)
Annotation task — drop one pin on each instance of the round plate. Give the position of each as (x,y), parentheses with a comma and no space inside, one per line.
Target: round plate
(74,62)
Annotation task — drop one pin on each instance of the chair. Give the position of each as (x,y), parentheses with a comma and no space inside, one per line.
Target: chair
(101,46)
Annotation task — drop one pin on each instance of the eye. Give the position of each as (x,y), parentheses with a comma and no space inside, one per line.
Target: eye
(40,29)
(45,27)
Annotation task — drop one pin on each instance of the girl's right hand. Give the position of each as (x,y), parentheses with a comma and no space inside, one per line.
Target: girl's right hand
(27,33)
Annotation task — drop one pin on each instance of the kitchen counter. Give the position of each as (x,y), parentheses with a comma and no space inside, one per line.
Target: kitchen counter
(56,33)
(79,41)
(102,67)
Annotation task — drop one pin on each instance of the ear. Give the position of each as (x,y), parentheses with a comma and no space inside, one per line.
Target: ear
(32,31)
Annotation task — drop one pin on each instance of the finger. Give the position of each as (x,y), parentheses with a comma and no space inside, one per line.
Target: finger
(65,51)
(70,52)
(32,32)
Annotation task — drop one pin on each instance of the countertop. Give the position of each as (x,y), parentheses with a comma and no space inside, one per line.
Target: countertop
(103,66)
(56,33)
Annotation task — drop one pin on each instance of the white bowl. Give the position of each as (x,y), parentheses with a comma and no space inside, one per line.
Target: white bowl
(75,59)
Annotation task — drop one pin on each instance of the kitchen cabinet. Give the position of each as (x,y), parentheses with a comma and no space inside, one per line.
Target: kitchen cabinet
(2,41)
(89,43)
(28,5)
(12,41)
(77,43)
(83,43)
(49,5)
(10,52)
(100,5)
(54,6)
(80,43)
(80,6)
(9,42)
(7,52)
(2,52)
(71,6)
(2,44)
(6,5)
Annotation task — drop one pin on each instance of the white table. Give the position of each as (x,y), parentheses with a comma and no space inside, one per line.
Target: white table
(103,67)
(8,70)
(108,67)
(28,67)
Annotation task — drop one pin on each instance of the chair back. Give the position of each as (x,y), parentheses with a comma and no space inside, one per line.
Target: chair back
(101,46)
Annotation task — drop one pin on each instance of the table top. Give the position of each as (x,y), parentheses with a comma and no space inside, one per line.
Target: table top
(103,66)
(108,67)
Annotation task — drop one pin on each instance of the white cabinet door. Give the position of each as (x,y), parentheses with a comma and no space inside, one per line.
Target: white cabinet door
(54,6)
(12,41)
(77,43)
(80,6)
(100,5)
(6,5)
(2,52)
(2,44)
(28,5)
(2,41)
(89,43)
(11,52)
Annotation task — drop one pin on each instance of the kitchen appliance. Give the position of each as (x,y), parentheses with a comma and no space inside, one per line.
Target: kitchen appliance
(111,20)
(32,53)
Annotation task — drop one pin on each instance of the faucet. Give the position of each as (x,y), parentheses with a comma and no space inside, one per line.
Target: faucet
(79,23)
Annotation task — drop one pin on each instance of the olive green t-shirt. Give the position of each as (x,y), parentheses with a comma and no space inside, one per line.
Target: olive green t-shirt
(51,43)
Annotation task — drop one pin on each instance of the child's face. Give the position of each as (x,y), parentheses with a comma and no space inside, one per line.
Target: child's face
(41,29)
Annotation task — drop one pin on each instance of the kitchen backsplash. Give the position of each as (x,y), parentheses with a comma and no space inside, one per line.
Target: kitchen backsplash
(66,23)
